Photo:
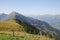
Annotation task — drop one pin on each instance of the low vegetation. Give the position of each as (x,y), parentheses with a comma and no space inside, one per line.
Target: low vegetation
(22,36)
(21,31)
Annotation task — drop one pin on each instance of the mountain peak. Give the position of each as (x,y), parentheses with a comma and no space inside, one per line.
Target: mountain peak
(14,13)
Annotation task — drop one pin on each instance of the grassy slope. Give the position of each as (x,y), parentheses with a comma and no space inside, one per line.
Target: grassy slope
(8,26)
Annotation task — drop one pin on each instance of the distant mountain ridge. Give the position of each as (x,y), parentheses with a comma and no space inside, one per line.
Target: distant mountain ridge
(53,20)
(41,25)
(2,16)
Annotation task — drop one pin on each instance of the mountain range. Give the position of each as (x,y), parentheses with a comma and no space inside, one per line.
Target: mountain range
(53,20)
(30,22)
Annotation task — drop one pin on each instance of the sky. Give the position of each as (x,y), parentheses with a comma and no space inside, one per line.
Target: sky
(30,7)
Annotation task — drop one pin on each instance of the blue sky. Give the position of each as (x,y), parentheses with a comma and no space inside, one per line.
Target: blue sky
(30,7)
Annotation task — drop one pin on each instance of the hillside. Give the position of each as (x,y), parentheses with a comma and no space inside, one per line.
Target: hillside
(17,22)
(16,26)
(8,26)
(53,20)
(41,25)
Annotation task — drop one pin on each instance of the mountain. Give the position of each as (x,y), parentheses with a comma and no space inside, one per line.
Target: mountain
(2,16)
(30,24)
(20,30)
(53,20)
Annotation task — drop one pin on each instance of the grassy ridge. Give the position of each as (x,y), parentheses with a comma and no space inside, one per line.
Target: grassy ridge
(20,34)
(10,25)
